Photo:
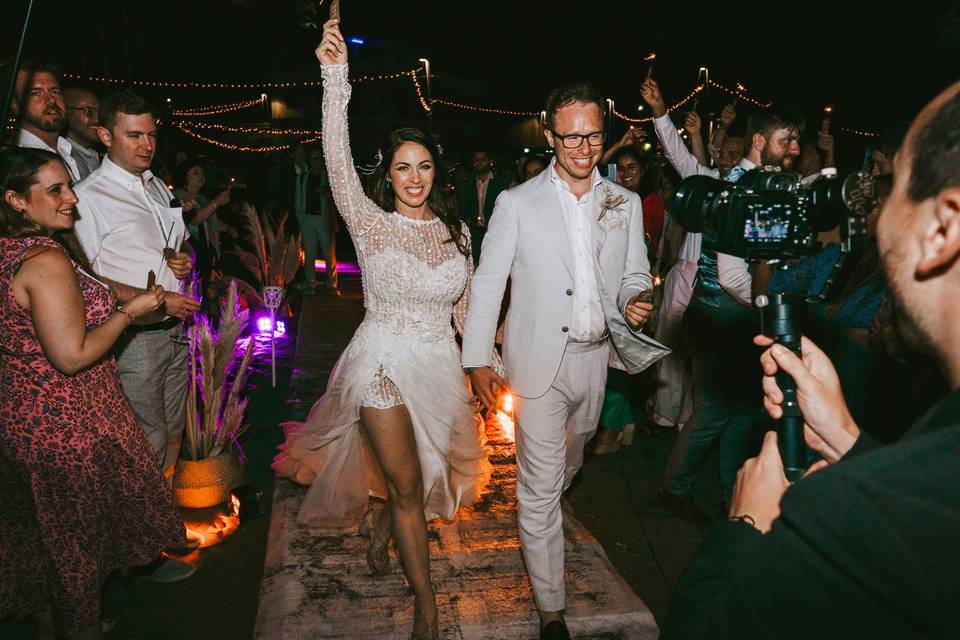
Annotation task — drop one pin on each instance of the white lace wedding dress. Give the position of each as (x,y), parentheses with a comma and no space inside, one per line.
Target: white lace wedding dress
(414,283)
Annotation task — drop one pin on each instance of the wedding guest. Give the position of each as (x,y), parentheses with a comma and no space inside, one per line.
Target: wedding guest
(82,496)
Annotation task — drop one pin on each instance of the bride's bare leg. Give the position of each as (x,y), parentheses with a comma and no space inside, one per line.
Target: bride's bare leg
(390,432)
(378,555)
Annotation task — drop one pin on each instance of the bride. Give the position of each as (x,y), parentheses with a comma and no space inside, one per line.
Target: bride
(396,421)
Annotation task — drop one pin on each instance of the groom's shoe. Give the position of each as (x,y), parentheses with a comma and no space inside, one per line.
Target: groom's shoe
(555,630)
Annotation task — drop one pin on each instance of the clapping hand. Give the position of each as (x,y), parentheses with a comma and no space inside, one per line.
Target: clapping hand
(332,48)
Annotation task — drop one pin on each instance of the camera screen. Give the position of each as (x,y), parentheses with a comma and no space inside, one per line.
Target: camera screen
(767,222)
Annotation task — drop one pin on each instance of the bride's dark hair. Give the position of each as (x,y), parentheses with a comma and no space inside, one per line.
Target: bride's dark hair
(438,200)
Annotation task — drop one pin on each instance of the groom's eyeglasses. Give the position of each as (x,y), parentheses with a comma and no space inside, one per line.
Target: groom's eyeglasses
(574,140)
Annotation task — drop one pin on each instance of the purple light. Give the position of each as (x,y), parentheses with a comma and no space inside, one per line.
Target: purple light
(264,324)
(281,328)
(342,267)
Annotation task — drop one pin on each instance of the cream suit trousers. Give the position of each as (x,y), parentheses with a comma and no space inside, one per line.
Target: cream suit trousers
(551,432)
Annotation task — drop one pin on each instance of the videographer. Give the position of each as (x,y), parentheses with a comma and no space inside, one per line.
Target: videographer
(865,547)
(718,325)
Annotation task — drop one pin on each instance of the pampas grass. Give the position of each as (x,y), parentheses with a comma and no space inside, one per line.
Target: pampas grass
(215,411)
(274,258)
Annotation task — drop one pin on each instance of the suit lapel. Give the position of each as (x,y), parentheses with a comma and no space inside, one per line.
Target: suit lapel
(551,215)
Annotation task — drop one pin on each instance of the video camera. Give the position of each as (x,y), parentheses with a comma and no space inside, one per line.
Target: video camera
(769,214)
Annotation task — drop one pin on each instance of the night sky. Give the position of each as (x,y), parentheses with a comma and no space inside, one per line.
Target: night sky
(873,66)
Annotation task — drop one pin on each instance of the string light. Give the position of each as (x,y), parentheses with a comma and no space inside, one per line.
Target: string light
(236,147)
(689,97)
(220,108)
(858,132)
(260,130)
(189,127)
(416,84)
(503,112)
(230,85)
(740,94)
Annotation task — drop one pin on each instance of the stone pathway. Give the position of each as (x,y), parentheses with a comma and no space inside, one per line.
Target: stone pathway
(317,585)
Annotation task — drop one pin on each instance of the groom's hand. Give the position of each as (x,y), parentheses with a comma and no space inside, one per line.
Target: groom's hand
(487,386)
(638,311)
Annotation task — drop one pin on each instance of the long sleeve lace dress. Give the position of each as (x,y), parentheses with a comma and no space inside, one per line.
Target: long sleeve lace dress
(404,352)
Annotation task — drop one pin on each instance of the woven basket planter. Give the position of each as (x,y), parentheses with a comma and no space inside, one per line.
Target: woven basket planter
(205,483)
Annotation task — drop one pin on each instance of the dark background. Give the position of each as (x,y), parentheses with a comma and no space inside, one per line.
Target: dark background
(874,66)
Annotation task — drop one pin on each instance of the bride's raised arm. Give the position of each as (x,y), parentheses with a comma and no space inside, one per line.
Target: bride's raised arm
(357,210)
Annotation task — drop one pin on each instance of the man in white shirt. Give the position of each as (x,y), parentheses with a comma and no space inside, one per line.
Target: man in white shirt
(126,223)
(571,244)
(718,325)
(672,402)
(38,102)
(83,119)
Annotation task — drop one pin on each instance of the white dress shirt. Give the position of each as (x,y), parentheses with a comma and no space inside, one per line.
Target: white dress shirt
(676,151)
(64,150)
(587,323)
(125,223)
(732,272)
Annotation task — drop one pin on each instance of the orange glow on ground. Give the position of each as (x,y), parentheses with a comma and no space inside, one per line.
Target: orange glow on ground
(209,530)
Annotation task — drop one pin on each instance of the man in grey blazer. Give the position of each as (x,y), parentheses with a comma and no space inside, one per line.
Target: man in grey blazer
(573,248)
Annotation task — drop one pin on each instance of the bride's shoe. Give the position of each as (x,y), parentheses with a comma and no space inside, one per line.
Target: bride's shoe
(378,554)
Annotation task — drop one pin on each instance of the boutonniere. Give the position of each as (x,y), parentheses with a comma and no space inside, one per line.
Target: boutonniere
(611,202)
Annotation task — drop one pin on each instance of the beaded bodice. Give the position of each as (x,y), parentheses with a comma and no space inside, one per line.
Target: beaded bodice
(414,279)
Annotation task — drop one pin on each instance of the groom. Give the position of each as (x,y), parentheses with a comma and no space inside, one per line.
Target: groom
(572,245)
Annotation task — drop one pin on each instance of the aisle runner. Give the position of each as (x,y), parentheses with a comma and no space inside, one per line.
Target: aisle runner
(317,584)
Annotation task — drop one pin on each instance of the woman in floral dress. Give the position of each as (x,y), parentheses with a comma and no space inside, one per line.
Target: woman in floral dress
(82,495)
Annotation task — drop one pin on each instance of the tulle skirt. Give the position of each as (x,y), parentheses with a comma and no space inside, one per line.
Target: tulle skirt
(330,453)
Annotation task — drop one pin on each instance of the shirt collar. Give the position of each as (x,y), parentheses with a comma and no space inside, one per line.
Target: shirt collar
(111,170)
(747,165)
(595,178)
(30,140)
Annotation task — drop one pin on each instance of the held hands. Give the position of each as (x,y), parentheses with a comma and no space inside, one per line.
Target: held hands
(828,427)
(650,92)
(487,385)
(638,310)
(180,264)
(332,49)
(145,303)
(179,306)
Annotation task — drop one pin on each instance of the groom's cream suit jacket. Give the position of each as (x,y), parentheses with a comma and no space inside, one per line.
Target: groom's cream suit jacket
(527,241)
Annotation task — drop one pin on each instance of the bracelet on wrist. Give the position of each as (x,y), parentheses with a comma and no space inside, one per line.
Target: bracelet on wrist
(119,309)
